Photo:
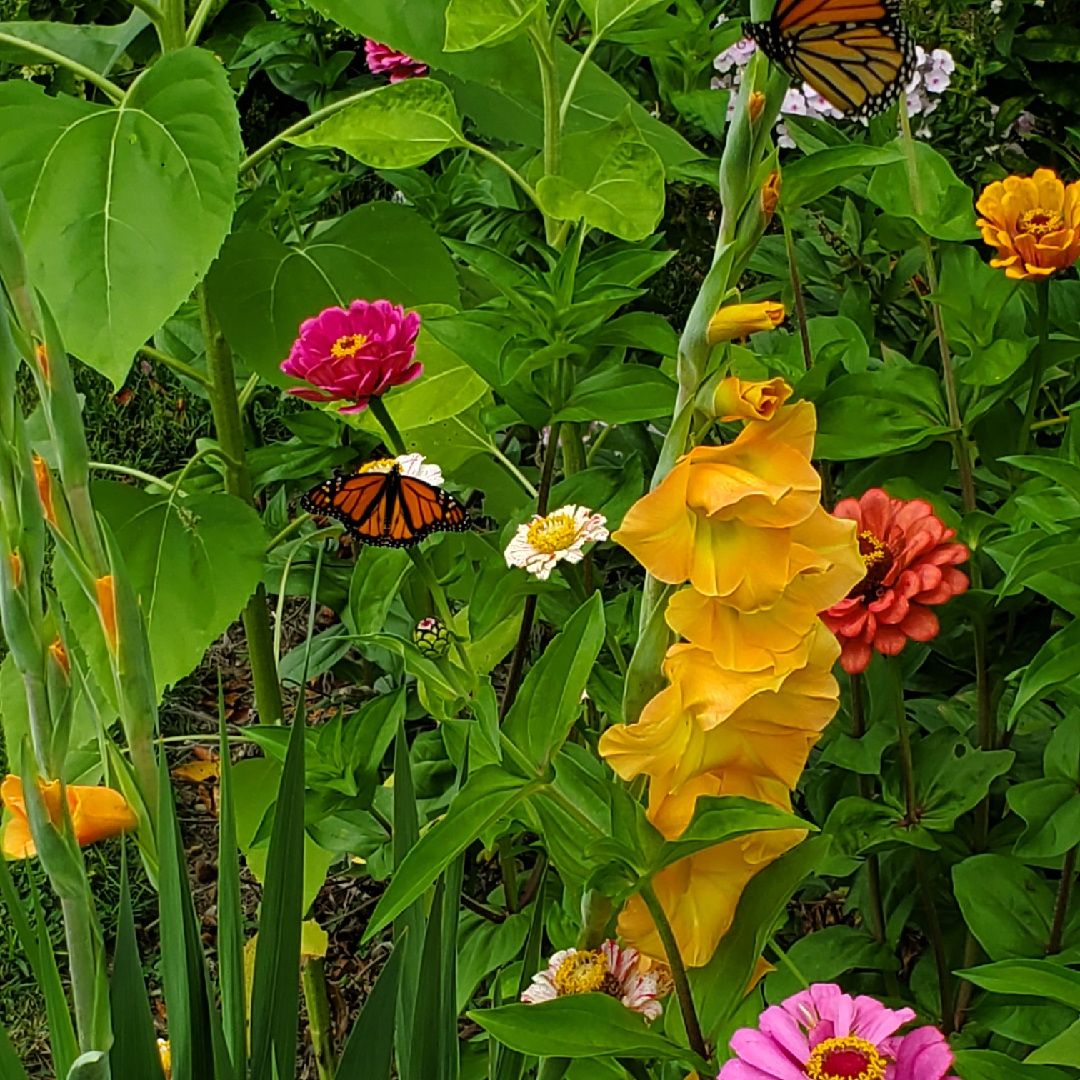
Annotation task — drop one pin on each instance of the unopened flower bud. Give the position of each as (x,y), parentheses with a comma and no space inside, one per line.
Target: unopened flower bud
(742,320)
(43,478)
(42,355)
(15,564)
(59,654)
(755,105)
(106,595)
(770,194)
(432,638)
(736,399)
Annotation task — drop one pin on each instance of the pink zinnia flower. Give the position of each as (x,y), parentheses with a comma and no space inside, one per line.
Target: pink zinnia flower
(381,59)
(825,1034)
(356,354)
(607,970)
(909,565)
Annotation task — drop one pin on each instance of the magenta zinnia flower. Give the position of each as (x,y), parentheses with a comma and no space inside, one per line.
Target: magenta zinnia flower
(356,354)
(398,65)
(825,1034)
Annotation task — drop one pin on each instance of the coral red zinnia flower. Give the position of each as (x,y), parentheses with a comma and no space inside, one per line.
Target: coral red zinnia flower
(825,1034)
(910,558)
(356,354)
(381,59)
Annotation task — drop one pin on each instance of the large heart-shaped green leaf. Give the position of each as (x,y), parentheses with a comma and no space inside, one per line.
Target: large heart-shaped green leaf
(121,209)
(471,24)
(612,178)
(193,563)
(261,289)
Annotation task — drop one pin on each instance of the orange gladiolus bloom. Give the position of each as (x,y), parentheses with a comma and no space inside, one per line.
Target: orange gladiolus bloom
(699,895)
(1033,221)
(735,399)
(742,320)
(722,519)
(96,814)
(714,721)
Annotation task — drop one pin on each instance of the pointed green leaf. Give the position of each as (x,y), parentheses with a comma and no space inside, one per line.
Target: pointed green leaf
(368,1053)
(474,24)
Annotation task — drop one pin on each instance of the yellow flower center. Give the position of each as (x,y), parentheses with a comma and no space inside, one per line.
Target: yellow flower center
(382,465)
(556,532)
(347,346)
(871,549)
(849,1058)
(1040,222)
(584,973)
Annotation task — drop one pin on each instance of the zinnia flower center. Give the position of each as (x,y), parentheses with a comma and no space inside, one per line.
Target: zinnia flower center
(556,532)
(849,1058)
(381,465)
(584,973)
(1040,222)
(871,549)
(347,346)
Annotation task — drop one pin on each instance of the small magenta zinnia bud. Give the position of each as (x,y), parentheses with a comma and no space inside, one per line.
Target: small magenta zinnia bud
(432,638)
(353,355)
(382,60)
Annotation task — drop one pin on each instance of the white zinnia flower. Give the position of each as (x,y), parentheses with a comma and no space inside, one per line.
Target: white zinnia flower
(410,465)
(607,970)
(562,534)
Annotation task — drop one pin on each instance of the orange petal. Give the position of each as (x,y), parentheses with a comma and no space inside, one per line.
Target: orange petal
(98,813)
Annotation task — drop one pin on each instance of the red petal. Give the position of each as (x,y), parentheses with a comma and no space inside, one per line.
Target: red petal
(921,623)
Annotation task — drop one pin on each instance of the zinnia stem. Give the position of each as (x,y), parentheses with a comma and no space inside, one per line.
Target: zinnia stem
(442,606)
(873,865)
(386,422)
(678,970)
(1061,904)
(896,673)
(1042,357)
(786,960)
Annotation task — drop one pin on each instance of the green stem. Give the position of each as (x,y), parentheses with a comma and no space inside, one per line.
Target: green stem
(106,86)
(786,960)
(539,36)
(510,171)
(78,931)
(294,526)
(873,865)
(442,606)
(267,148)
(937,942)
(583,61)
(796,287)
(137,474)
(1042,358)
(386,422)
(230,433)
(508,867)
(178,366)
(318,1010)
(149,8)
(172,29)
(1061,904)
(678,970)
(896,680)
(198,21)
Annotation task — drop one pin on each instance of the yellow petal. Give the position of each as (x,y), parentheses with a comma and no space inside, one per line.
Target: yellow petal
(741,320)
(735,399)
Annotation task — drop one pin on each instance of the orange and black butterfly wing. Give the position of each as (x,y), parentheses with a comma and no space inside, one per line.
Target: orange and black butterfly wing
(387,509)
(855,53)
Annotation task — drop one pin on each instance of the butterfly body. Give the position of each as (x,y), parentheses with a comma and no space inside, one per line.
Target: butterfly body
(387,509)
(855,53)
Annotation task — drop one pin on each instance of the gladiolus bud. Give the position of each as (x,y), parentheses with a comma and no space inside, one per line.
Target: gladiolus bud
(96,814)
(165,1053)
(59,654)
(735,399)
(741,320)
(106,594)
(42,355)
(15,563)
(770,194)
(755,105)
(43,478)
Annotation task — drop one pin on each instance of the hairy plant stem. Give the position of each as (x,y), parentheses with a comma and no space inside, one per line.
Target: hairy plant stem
(933,923)
(1042,358)
(866,791)
(796,286)
(230,433)
(318,1010)
(1061,904)
(528,614)
(678,971)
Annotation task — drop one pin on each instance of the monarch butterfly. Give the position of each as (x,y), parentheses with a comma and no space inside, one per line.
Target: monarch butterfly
(855,53)
(386,507)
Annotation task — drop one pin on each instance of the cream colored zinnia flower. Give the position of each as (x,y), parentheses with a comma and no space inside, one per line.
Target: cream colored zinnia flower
(562,534)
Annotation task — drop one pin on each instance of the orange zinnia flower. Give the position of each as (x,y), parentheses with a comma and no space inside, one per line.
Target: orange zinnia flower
(96,814)
(910,559)
(742,320)
(722,518)
(1033,221)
